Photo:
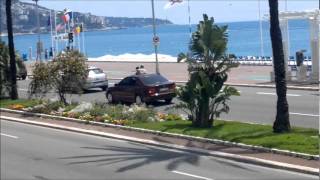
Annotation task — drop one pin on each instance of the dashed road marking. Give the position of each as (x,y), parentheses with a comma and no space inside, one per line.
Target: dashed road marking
(7,135)
(274,94)
(23,89)
(191,175)
(302,114)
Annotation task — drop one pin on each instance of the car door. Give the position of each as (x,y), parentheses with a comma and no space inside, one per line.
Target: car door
(129,90)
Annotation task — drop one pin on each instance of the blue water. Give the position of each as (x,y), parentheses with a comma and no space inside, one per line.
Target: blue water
(244,39)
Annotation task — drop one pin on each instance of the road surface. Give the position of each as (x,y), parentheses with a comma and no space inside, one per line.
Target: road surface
(33,152)
(255,105)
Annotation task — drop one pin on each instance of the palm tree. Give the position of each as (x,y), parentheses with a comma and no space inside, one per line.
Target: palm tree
(204,97)
(282,123)
(13,69)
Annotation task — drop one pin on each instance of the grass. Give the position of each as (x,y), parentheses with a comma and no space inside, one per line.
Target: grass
(25,102)
(301,140)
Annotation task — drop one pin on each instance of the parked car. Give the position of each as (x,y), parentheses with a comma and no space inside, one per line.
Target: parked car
(96,79)
(142,88)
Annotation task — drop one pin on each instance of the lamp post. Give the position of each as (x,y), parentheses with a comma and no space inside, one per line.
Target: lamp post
(39,45)
(155,37)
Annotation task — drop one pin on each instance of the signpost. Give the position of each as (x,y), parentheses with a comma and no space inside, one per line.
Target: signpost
(155,37)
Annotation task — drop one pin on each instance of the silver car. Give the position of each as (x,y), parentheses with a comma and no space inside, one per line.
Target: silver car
(96,79)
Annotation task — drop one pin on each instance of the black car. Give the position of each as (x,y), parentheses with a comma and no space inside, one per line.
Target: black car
(142,88)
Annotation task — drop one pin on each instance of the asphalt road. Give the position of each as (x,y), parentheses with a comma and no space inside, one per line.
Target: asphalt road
(33,152)
(255,105)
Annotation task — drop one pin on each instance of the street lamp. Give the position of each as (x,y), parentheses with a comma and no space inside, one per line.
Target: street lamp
(39,45)
(155,38)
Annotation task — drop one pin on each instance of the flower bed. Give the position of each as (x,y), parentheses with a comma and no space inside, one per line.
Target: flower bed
(100,112)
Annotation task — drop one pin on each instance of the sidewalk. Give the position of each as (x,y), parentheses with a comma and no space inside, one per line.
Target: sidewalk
(235,153)
(244,74)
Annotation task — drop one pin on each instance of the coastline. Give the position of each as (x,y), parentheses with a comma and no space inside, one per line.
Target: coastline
(90,30)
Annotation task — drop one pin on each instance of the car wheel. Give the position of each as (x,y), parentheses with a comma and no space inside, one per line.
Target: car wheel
(104,88)
(110,98)
(168,101)
(139,100)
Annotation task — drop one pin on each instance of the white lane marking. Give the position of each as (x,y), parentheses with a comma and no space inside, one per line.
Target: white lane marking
(301,114)
(2,134)
(23,89)
(274,94)
(191,175)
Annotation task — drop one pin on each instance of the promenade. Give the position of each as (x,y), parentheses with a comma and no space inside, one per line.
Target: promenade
(244,74)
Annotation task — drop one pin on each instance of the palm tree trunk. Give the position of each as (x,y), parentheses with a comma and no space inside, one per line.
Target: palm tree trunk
(13,69)
(282,123)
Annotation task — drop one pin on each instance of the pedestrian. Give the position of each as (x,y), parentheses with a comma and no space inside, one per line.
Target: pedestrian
(138,71)
(142,70)
(46,54)
(51,52)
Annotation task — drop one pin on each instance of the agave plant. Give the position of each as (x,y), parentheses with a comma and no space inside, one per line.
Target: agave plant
(205,97)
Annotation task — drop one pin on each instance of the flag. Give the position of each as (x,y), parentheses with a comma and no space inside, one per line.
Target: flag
(77,30)
(173,3)
(60,27)
(81,27)
(67,16)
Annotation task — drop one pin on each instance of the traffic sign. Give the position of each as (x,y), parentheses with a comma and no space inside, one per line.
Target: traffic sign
(156,40)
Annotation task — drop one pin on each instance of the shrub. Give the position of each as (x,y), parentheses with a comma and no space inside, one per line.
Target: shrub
(143,115)
(54,106)
(66,72)
(98,110)
(117,112)
(5,69)
(173,117)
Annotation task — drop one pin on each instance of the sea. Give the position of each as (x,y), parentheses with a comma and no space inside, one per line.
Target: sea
(243,40)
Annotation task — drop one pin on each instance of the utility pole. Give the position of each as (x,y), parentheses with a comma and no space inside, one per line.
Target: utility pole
(39,45)
(155,38)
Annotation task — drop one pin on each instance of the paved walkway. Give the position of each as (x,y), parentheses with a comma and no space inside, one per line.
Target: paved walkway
(244,74)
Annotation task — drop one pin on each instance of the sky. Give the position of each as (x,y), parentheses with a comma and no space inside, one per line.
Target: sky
(221,10)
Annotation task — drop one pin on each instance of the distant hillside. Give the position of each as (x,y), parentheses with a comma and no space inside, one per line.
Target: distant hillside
(25,21)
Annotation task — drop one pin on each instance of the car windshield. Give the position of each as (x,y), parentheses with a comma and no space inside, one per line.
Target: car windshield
(97,71)
(153,79)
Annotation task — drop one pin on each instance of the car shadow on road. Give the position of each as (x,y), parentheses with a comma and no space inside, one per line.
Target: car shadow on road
(134,157)
(89,91)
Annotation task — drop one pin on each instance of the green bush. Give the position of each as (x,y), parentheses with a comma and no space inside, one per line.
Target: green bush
(68,71)
(98,110)
(143,115)
(117,112)
(54,106)
(173,117)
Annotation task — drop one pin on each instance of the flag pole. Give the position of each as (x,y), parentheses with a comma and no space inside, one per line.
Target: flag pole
(154,36)
(72,23)
(51,34)
(55,28)
(189,18)
(261,33)
(83,45)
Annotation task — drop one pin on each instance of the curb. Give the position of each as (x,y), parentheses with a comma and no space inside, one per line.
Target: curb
(187,137)
(239,158)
